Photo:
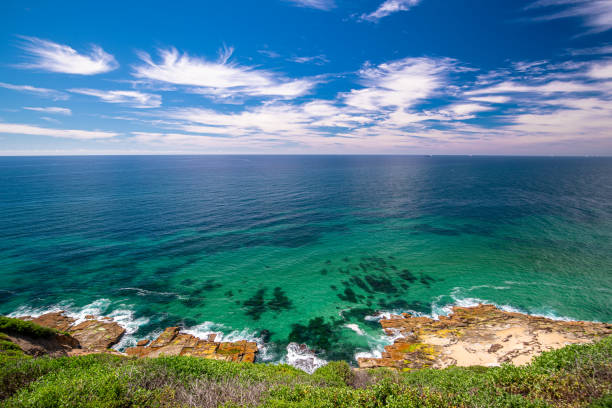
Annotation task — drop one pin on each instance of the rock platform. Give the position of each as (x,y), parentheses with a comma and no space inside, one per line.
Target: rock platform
(99,334)
(171,342)
(93,335)
(481,335)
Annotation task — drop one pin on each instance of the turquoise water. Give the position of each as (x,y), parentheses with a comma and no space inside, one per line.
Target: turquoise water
(307,249)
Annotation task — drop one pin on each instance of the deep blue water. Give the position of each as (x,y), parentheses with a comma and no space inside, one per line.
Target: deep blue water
(205,241)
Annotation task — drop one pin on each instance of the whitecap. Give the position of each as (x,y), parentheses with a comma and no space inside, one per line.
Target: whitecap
(123,316)
(203,330)
(355,328)
(146,292)
(301,357)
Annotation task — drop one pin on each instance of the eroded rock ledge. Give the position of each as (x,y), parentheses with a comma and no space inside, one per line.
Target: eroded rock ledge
(93,335)
(174,343)
(98,334)
(480,335)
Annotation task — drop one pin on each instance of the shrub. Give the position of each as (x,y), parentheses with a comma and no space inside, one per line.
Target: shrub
(16,326)
(572,377)
(603,402)
(335,373)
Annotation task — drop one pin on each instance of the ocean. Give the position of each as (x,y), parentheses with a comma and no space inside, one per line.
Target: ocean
(307,249)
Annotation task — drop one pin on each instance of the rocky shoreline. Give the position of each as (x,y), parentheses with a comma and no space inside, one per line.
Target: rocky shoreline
(480,335)
(174,343)
(99,334)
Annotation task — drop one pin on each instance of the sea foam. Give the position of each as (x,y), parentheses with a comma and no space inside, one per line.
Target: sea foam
(121,314)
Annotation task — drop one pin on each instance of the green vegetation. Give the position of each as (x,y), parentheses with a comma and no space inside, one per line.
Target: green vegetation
(575,376)
(16,326)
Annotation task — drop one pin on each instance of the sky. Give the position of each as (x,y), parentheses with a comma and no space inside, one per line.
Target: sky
(493,77)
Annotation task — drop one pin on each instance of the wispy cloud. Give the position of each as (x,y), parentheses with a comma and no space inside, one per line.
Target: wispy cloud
(23,129)
(269,53)
(601,70)
(602,50)
(420,103)
(491,99)
(387,91)
(52,120)
(134,99)
(220,79)
(50,109)
(44,92)
(597,14)
(398,84)
(389,7)
(49,56)
(316,59)
(316,4)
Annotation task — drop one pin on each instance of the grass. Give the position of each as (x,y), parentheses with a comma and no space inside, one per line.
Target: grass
(574,376)
(15,326)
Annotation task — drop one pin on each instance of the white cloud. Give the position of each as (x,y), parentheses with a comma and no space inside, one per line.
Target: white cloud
(220,79)
(602,50)
(585,122)
(597,14)
(22,129)
(53,57)
(51,109)
(417,103)
(132,98)
(544,88)
(601,70)
(269,53)
(491,99)
(272,119)
(44,92)
(468,109)
(389,7)
(52,120)
(317,59)
(316,4)
(400,83)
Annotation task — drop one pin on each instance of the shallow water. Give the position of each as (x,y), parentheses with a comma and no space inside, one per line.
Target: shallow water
(303,248)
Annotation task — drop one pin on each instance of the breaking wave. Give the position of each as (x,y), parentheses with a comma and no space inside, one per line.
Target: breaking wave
(203,330)
(300,356)
(121,314)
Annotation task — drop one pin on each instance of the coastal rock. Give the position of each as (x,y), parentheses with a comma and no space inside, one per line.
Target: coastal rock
(171,342)
(89,336)
(56,346)
(97,335)
(480,335)
(54,320)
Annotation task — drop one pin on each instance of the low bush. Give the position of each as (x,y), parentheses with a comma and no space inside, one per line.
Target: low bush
(16,326)
(575,376)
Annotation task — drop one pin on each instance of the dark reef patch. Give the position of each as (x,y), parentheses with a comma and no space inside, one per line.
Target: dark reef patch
(361,284)
(317,333)
(426,280)
(348,296)
(193,302)
(406,275)
(211,285)
(429,229)
(256,305)
(381,284)
(280,301)
(358,314)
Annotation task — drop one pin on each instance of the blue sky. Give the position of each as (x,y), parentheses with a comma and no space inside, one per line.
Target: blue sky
(306,77)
